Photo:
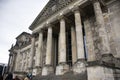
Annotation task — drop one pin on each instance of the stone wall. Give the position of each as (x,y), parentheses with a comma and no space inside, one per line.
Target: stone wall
(90,39)
(114,16)
(100,73)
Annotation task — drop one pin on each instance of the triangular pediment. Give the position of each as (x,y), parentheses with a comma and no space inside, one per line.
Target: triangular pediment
(23,39)
(23,34)
(51,7)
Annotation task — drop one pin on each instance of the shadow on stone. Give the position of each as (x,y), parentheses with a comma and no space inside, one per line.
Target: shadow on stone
(66,76)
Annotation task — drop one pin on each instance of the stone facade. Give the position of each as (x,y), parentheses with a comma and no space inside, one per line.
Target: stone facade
(71,40)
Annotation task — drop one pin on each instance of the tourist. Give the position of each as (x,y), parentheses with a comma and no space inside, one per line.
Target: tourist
(26,78)
(9,77)
(16,78)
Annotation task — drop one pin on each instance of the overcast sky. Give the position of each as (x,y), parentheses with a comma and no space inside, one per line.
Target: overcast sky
(15,17)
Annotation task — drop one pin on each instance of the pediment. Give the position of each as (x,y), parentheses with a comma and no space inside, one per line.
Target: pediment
(23,35)
(51,7)
(23,39)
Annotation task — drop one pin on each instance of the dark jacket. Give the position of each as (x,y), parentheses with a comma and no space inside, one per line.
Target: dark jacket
(9,77)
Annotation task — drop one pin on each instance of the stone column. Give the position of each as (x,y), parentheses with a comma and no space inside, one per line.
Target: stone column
(79,35)
(74,45)
(59,48)
(103,49)
(48,69)
(102,33)
(91,56)
(49,47)
(9,62)
(14,61)
(62,40)
(79,67)
(32,52)
(62,66)
(39,54)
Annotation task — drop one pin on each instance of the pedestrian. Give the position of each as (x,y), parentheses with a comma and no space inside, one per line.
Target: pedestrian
(16,78)
(9,77)
(26,78)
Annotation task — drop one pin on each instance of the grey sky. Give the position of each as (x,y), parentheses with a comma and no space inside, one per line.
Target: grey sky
(15,17)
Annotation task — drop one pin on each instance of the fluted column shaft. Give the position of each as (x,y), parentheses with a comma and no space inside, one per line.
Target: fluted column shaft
(32,52)
(49,47)
(104,43)
(62,39)
(74,45)
(39,53)
(79,35)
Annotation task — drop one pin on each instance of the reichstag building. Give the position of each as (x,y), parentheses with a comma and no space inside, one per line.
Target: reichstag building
(70,40)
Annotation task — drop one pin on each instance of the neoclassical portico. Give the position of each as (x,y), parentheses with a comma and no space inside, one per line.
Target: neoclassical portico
(76,39)
(77,44)
(71,39)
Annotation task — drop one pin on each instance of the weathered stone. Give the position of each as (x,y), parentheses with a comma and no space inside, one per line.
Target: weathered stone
(66,76)
(99,73)
(90,52)
(79,67)
(79,35)
(62,45)
(32,53)
(114,14)
(47,70)
(74,45)
(102,34)
(61,69)
(91,55)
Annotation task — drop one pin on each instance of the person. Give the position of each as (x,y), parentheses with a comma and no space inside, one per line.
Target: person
(1,77)
(16,78)
(9,77)
(26,78)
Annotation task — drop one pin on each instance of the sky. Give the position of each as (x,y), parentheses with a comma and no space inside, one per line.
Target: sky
(15,17)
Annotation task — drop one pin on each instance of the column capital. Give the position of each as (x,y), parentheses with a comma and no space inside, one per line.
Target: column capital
(75,8)
(49,25)
(61,16)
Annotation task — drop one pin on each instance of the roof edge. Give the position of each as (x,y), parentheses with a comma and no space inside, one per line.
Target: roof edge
(34,22)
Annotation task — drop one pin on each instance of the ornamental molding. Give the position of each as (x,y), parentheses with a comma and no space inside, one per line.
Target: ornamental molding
(51,8)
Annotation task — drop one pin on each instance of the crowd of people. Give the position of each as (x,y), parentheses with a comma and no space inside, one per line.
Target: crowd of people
(10,77)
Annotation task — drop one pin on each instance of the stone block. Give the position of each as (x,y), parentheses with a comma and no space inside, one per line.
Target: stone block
(100,73)
(47,70)
(61,69)
(79,67)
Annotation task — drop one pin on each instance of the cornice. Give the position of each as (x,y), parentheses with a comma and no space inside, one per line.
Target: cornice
(47,11)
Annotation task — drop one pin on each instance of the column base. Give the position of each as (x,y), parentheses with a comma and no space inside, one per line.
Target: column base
(62,69)
(79,67)
(47,70)
(100,73)
(38,70)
